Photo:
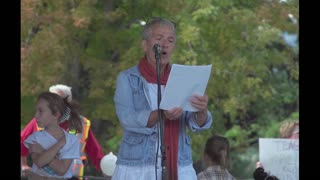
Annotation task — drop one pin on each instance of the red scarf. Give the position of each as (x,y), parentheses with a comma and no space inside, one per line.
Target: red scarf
(171,127)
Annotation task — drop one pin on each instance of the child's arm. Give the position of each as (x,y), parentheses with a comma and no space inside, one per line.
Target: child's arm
(42,157)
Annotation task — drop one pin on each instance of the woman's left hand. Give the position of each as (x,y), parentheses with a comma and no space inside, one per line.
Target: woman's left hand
(199,102)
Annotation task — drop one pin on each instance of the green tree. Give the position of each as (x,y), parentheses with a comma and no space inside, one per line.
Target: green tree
(254,83)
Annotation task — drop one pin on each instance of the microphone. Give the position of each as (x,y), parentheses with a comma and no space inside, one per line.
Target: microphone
(157,50)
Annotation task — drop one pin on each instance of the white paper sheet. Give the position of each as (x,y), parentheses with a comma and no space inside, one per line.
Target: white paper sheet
(183,82)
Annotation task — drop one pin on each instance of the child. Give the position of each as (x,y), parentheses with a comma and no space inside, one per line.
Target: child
(53,150)
(216,155)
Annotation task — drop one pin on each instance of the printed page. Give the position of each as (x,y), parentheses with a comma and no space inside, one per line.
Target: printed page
(183,82)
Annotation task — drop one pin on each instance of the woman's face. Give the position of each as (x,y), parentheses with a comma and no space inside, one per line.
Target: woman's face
(165,37)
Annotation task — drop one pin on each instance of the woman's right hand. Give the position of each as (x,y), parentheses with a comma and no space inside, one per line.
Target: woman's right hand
(259,164)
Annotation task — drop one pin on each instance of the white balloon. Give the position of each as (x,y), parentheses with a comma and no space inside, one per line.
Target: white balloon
(108,164)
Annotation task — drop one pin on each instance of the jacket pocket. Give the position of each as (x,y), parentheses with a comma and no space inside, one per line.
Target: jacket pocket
(139,99)
(132,147)
(186,148)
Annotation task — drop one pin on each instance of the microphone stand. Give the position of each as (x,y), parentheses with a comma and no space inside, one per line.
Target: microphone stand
(162,147)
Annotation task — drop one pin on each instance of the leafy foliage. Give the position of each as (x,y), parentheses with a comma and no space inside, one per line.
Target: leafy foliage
(254,83)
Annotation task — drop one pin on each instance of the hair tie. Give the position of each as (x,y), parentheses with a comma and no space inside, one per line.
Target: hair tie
(66,115)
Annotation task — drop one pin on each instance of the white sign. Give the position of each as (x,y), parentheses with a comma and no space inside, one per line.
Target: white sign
(280,157)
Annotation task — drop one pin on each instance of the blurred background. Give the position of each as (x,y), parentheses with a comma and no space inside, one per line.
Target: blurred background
(252,45)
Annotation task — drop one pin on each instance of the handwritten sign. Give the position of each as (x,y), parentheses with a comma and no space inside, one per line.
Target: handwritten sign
(280,157)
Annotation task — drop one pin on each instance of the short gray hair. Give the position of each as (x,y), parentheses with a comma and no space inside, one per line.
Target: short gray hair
(147,30)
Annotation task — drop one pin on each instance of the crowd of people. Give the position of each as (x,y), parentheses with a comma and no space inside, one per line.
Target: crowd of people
(59,140)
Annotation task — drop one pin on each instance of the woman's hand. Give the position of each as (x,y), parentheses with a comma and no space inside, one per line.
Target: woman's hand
(259,164)
(199,102)
(173,113)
